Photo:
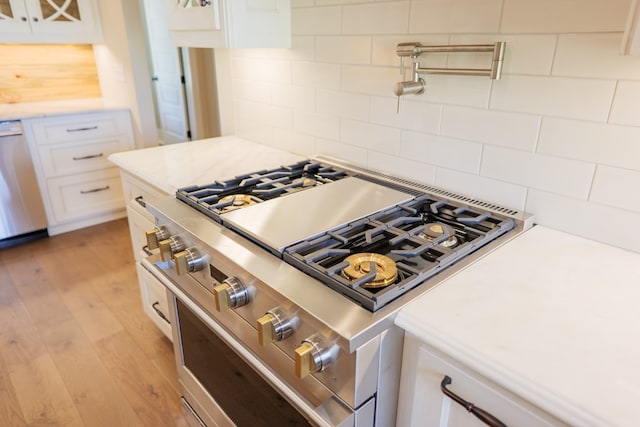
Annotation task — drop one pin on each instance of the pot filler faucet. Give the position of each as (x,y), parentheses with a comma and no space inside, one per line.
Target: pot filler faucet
(413,50)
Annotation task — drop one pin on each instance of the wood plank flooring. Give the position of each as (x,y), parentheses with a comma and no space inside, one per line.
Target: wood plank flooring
(76,348)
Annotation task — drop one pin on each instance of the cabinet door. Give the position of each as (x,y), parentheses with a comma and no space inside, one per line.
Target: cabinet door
(61,16)
(194,15)
(14,17)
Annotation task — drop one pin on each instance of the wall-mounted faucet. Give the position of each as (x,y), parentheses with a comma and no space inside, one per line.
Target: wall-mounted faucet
(413,50)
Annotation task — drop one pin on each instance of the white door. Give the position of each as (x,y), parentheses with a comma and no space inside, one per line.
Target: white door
(14,17)
(171,113)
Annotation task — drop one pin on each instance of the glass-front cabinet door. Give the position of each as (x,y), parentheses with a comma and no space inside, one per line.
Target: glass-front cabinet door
(52,18)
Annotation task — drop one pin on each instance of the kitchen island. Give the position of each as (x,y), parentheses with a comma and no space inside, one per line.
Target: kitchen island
(548,318)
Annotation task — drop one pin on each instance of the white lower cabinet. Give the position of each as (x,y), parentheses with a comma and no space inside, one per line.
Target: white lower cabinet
(79,186)
(152,292)
(421,401)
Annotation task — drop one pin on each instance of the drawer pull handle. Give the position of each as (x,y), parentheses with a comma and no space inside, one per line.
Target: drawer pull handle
(90,156)
(83,129)
(94,190)
(140,201)
(157,310)
(146,250)
(481,414)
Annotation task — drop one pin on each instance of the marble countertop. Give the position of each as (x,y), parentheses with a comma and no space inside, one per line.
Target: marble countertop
(553,317)
(170,167)
(28,110)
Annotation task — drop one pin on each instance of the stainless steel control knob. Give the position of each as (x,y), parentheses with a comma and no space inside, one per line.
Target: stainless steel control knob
(275,325)
(170,246)
(155,236)
(231,293)
(189,261)
(314,355)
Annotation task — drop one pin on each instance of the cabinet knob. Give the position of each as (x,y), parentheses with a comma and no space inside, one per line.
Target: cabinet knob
(231,293)
(275,325)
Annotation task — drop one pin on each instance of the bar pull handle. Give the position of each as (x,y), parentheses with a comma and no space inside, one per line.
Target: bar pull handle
(94,190)
(480,413)
(141,201)
(83,129)
(90,156)
(158,312)
(146,250)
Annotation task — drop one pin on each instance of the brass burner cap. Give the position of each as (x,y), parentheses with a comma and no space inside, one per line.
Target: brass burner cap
(237,201)
(445,230)
(360,265)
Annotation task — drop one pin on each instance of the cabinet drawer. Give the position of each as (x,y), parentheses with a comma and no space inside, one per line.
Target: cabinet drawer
(138,225)
(154,300)
(138,192)
(87,194)
(81,127)
(58,159)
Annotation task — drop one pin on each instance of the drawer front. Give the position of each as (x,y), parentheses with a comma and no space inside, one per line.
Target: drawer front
(138,225)
(87,194)
(81,127)
(58,159)
(138,192)
(154,300)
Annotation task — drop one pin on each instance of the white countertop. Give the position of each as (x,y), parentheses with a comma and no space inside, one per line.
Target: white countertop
(170,167)
(28,110)
(553,317)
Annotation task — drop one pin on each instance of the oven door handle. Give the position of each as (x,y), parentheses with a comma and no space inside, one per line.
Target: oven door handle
(155,266)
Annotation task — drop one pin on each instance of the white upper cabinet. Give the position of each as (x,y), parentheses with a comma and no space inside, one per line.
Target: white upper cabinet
(49,21)
(230,23)
(631,38)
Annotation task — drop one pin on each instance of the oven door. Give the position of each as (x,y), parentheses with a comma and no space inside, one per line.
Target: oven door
(225,384)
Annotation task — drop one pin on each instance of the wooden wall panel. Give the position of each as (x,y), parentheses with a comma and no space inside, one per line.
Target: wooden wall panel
(34,73)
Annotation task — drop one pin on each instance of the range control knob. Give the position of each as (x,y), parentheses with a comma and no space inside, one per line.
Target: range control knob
(275,325)
(189,261)
(231,293)
(155,236)
(170,246)
(314,355)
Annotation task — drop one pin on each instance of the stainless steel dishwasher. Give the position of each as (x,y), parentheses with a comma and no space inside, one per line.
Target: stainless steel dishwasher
(22,215)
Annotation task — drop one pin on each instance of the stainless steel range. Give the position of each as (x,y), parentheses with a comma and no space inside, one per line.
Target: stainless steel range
(285,283)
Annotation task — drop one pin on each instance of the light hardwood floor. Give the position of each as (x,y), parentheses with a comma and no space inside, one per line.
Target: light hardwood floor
(76,349)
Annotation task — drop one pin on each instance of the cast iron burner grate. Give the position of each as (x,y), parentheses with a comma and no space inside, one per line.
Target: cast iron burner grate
(221,196)
(423,236)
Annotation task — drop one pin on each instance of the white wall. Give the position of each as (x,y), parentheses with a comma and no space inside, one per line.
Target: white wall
(557,136)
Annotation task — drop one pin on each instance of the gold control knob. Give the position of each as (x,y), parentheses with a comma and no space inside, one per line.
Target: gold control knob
(305,363)
(187,261)
(314,355)
(231,293)
(155,236)
(275,325)
(170,246)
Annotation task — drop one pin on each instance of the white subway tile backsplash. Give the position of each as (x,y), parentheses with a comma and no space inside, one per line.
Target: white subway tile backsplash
(554,96)
(594,56)
(345,50)
(616,187)
(562,176)
(376,18)
(298,97)
(418,116)
(302,49)
(409,169)
(592,142)
(566,16)
(373,137)
(524,54)
(591,220)
(502,193)
(438,151)
(316,20)
(294,142)
(626,104)
(455,16)
(350,153)
(312,74)
(469,91)
(342,104)
(301,3)
(265,70)
(252,90)
(320,125)
(510,130)
(369,80)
